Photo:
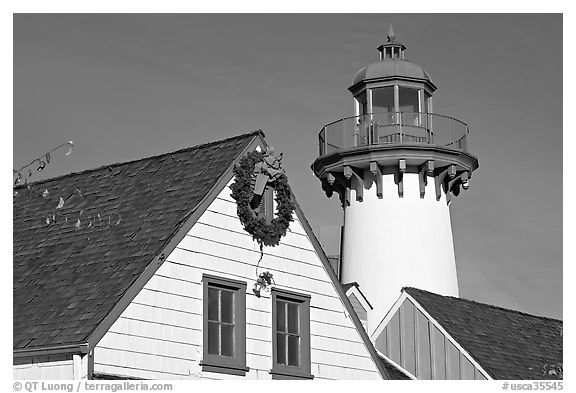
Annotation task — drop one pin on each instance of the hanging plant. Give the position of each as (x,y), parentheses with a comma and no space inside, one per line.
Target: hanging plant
(265,233)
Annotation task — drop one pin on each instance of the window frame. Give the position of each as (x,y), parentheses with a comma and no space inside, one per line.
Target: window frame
(235,365)
(282,371)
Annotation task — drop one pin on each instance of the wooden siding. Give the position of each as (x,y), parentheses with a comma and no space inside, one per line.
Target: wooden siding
(159,335)
(411,340)
(60,369)
(360,310)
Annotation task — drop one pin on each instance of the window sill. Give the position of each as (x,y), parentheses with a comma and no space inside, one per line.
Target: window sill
(217,368)
(296,374)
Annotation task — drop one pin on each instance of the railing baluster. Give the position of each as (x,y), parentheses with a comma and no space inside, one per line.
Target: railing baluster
(400,125)
(343,135)
(452,127)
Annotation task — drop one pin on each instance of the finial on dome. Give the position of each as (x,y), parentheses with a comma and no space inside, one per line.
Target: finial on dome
(391,35)
(391,49)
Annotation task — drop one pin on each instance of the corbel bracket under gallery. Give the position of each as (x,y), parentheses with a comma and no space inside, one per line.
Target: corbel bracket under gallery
(356,179)
(443,176)
(335,181)
(399,177)
(424,170)
(377,172)
(461,180)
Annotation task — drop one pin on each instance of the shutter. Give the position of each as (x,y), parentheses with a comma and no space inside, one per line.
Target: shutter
(262,206)
(266,207)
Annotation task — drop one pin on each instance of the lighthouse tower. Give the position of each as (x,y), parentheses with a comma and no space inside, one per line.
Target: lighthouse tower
(396,166)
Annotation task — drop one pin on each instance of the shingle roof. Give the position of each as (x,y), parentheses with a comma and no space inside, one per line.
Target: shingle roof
(508,344)
(394,372)
(67,279)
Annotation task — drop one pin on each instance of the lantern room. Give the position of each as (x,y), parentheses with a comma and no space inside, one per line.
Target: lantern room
(393,105)
(392,84)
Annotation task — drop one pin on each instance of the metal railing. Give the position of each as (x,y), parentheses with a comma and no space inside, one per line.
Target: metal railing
(389,128)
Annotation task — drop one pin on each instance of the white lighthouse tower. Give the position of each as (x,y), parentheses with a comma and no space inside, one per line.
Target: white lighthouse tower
(396,166)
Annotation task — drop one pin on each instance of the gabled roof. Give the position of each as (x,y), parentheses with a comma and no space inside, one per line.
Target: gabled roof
(508,344)
(67,279)
(356,287)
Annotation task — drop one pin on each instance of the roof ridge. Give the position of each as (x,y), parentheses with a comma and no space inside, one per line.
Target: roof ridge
(203,145)
(484,304)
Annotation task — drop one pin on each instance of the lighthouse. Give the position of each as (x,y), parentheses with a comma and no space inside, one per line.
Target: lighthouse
(396,166)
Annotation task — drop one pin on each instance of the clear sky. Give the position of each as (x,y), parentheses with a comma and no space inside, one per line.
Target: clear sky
(130,86)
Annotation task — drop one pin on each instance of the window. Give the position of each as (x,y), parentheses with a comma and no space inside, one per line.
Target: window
(290,335)
(408,100)
(224,325)
(383,99)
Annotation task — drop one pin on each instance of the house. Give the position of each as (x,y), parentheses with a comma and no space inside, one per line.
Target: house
(143,270)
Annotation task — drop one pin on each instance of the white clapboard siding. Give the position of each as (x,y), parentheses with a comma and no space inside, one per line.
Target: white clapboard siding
(63,369)
(159,335)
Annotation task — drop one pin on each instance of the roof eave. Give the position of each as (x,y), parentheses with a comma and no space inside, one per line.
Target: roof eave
(356,87)
(65,349)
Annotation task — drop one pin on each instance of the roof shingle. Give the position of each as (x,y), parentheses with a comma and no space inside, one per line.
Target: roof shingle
(508,344)
(67,279)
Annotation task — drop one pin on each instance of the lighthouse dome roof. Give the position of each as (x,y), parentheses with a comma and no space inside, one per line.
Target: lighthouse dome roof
(392,68)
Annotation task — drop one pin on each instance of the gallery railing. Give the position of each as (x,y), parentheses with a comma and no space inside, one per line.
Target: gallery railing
(388,128)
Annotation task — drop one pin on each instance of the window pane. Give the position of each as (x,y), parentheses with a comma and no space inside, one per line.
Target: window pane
(213,338)
(281,348)
(281,316)
(227,306)
(227,340)
(408,99)
(294,351)
(293,318)
(213,304)
(383,99)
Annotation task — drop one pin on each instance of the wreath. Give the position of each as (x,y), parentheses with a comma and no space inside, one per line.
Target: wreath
(265,233)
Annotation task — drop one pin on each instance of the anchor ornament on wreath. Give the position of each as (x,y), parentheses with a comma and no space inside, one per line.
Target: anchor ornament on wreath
(253,174)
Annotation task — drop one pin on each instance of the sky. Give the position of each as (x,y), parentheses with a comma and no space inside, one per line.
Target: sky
(128,86)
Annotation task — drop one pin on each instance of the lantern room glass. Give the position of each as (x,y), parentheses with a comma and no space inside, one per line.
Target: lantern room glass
(383,99)
(408,100)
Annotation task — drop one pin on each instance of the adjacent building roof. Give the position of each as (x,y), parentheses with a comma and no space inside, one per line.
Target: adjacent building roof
(395,372)
(354,284)
(508,344)
(113,221)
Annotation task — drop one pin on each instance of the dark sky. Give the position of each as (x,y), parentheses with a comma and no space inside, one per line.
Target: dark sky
(134,85)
